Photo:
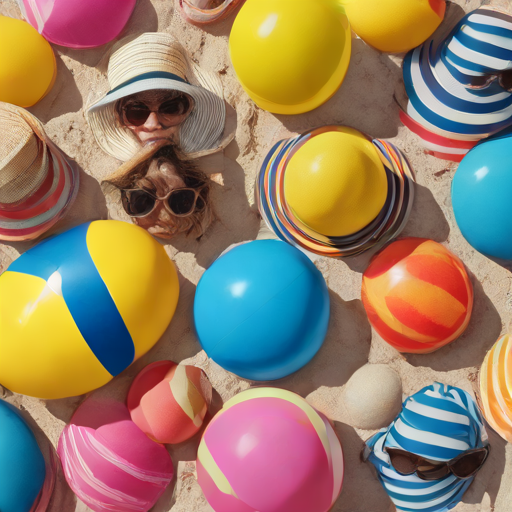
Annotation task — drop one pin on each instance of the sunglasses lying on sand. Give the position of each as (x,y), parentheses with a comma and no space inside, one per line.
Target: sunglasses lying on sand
(181,202)
(169,113)
(464,466)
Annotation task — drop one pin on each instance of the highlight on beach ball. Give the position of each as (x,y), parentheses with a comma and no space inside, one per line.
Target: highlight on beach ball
(394,26)
(109,463)
(496,387)
(459,87)
(27,64)
(417,295)
(334,191)
(481,191)
(168,402)
(78,24)
(268,450)
(79,308)
(290,56)
(26,483)
(261,310)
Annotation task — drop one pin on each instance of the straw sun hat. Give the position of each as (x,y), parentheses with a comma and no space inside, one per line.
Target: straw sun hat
(157,61)
(37,182)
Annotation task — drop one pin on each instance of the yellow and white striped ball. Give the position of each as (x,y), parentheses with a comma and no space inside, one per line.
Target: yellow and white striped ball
(496,387)
(79,308)
(268,450)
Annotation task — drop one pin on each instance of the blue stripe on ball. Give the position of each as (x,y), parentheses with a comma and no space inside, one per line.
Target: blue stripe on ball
(86,295)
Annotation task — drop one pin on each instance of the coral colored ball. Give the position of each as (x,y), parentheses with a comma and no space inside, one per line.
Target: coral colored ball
(168,402)
(417,295)
(109,463)
(268,450)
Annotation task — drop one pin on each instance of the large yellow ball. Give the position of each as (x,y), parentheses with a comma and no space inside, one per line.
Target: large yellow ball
(290,55)
(336,183)
(394,26)
(27,63)
(79,308)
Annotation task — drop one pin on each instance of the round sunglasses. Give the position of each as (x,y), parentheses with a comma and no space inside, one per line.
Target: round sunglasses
(464,466)
(180,202)
(169,113)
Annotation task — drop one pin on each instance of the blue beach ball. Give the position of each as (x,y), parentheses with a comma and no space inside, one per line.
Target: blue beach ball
(481,194)
(261,310)
(22,467)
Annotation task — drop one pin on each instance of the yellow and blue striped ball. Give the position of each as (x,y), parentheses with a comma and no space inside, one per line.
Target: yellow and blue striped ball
(79,308)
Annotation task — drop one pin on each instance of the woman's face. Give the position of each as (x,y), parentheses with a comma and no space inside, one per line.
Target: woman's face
(156,126)
(161,179)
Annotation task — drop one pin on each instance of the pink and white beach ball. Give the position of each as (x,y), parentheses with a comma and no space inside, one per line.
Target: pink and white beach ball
(268,450)
(78,23)
(109,463)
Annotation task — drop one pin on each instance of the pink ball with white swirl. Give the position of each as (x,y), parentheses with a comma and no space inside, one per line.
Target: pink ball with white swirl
(109,463)
(269,451)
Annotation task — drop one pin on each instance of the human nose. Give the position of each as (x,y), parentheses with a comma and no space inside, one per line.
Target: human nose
(152,123)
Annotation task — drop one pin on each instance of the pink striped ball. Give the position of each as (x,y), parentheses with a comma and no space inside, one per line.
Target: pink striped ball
(109,463)
(268,450)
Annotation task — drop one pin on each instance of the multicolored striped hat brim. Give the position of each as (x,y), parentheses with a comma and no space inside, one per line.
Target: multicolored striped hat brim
(30,219)
(439,423)
(33,209)
(201,16)
(455,94)
(280,218)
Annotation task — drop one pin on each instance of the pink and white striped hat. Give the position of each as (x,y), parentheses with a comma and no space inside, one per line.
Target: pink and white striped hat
(38,183)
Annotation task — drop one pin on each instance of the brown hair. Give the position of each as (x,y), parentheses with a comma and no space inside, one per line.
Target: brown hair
(198,222)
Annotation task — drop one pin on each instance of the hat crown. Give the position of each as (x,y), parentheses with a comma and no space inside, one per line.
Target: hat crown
(23,158)
(150,52)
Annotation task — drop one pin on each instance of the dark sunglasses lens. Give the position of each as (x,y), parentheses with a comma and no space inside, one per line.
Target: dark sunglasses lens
(469,464)
(432,472)
(175,107)
(403,462)
(181,202)
(137,116)
(138,203)
(200,204)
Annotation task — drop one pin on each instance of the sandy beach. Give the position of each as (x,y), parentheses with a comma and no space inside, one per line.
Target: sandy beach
(365,101)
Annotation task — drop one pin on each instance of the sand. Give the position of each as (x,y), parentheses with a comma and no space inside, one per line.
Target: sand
(365,101)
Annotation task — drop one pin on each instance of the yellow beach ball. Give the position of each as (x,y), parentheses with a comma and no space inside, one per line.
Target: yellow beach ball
(79,308)
(27,63)
(290,56)
(336,183)
(394,26)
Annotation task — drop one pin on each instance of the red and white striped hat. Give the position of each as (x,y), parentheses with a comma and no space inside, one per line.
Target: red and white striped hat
(38,183)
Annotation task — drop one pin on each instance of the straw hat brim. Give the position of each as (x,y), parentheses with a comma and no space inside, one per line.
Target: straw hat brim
(49,209)
(202,133)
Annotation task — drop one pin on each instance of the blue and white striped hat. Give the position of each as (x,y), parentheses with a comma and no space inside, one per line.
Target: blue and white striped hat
(438,423)
(455,95)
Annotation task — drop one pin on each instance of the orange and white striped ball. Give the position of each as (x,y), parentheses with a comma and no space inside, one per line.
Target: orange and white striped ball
(496,387)
(417,295)
(168,402)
